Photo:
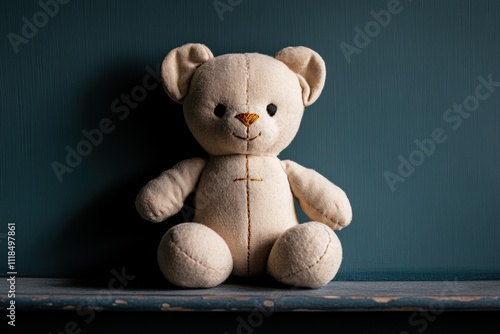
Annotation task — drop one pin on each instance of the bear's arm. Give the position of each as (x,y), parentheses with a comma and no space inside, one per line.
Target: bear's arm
(164,196)
(320,199)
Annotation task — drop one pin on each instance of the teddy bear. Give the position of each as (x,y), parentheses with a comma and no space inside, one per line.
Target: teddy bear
(244,109)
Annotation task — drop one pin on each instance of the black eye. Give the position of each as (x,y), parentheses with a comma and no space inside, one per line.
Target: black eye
(271,109)
(220,110)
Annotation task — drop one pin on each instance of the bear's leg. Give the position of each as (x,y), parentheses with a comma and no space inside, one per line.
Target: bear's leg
(307,255)
(192,255)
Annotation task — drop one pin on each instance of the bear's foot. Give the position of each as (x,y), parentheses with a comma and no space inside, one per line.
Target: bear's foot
(192,255)
(307,255)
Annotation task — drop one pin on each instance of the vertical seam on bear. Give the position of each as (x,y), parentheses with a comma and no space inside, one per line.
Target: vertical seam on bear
(247,76)
(247,179)
(248,213)
(247,102)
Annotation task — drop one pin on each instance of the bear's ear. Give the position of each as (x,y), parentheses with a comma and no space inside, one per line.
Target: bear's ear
(310,69)
(179,66)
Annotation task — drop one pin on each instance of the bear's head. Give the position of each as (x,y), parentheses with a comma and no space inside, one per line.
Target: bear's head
(243,103)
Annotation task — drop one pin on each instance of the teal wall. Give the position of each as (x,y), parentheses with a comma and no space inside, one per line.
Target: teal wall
(442,222)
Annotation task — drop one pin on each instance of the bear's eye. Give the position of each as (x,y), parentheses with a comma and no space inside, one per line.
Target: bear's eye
(271,109)
(220,110)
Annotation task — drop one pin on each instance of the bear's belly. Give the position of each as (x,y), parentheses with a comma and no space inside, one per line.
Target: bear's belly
(247,200)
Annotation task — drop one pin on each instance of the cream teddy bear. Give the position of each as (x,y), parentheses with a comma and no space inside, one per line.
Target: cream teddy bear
(244,109)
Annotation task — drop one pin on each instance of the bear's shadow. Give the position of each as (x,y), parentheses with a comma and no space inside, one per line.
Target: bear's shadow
(107,235)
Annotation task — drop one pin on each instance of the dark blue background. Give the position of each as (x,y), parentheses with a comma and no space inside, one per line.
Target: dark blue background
(443,222)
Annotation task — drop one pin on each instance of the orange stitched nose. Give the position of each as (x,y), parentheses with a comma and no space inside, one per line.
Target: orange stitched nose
(247,118)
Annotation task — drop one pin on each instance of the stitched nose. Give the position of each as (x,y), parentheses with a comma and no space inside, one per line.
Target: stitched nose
(247,118)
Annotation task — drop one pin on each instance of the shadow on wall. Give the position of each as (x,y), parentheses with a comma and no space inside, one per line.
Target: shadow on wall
(108,233)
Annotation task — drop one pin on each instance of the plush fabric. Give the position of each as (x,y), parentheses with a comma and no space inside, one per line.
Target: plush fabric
(320,199)
(247,89)
(244,109)
(309,68)
(164,196)
(232,203)
(307,255)
(194,256)
(179,66)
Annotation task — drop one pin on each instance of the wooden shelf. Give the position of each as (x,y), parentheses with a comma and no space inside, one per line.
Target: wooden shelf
(66,294)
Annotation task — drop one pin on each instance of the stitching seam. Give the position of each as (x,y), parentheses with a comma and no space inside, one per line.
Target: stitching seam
(247,75)
(315,263)
(248,213)
(193,259)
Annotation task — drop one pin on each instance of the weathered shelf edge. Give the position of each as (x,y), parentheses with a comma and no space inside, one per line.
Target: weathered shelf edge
(264,304)
(418,297)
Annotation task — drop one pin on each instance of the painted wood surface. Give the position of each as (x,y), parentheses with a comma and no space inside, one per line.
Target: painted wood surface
(64,294)
(384,98)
